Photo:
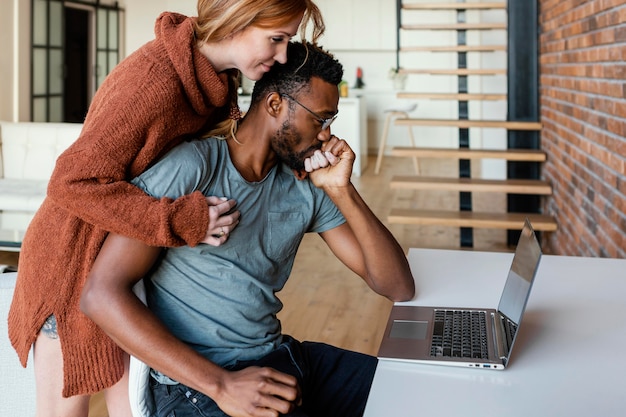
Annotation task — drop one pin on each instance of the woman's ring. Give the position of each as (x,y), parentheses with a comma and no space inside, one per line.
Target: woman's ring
(222,232)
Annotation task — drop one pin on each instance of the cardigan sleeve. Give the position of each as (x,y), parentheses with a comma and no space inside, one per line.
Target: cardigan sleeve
(156,98)
(124,134)
(92,188)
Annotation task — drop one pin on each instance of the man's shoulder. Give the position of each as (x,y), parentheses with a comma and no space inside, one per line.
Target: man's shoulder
(186,168)
(194,157)
(198,148)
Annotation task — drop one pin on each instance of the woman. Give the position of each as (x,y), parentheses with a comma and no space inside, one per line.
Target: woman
(175,87)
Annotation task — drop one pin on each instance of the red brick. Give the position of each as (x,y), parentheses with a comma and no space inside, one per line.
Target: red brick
(583,112)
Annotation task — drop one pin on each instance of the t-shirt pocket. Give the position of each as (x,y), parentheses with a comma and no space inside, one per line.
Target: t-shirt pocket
(285,233)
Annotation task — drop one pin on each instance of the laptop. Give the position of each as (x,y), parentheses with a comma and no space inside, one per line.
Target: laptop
(467,337)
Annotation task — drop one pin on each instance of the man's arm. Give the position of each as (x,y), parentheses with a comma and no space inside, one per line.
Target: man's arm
(364,244)
(109,301)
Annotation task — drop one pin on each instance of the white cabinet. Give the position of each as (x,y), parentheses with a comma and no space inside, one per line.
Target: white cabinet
(351,126)
(358,24)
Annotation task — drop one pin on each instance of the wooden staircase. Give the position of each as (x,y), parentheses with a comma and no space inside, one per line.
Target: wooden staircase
(471,219)
(466,124)
(454,6)
(537,187)
(465,218)
(529,155)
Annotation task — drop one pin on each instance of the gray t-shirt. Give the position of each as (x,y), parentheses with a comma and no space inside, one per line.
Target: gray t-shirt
(222,300)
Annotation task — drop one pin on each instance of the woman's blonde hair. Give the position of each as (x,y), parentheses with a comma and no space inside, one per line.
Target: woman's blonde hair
(218,19)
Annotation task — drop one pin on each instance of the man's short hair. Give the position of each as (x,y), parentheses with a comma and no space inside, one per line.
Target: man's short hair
(304,61)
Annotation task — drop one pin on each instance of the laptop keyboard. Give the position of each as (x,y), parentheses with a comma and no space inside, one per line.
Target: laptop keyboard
(460,333)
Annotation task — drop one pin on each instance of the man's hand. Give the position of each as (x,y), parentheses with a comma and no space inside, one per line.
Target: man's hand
(258,392)
(222,220)
(332,165)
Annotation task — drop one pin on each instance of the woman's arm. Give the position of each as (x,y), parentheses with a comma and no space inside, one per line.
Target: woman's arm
(138,114)
(91,181)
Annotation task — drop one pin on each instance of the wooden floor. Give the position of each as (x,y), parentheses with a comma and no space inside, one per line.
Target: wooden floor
(326,302)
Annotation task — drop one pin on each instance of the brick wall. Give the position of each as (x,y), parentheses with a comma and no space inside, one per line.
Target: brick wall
(583,111)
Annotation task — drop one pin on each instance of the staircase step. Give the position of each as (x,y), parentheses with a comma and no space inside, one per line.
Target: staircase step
(527,155)
(455,26)
(453,6)
(452,96)
(511,125)
(512,221)
(455,71)
(510,186)
(454,48)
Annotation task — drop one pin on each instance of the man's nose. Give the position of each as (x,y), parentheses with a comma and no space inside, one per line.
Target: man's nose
(324,135)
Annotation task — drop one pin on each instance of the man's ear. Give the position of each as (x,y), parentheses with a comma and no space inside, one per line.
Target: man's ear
(273,104)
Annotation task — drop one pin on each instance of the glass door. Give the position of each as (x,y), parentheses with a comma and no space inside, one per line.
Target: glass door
(75,44)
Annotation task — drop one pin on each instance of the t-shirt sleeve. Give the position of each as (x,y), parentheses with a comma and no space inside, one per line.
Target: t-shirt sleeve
(182,171)
(327,215)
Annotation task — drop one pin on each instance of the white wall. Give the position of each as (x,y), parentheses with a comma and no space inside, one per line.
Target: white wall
(361,33)
(15,47)
(6,59)
(370,44)
(141,15)
(375,54)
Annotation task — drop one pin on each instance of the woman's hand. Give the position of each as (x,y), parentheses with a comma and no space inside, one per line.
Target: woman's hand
(222,220)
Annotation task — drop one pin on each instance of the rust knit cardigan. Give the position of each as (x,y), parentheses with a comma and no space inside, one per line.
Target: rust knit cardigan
(159,96)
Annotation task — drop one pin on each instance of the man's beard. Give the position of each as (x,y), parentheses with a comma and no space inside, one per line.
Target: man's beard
(283,143)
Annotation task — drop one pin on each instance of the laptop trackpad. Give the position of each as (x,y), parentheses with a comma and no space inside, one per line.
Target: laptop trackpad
(409,329)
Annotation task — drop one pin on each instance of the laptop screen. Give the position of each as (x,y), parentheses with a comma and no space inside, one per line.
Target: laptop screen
(521,275)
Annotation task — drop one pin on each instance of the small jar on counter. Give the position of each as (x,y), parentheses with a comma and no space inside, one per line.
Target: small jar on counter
(343,88)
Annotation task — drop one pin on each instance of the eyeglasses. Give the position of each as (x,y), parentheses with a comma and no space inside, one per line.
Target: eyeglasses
(324,122)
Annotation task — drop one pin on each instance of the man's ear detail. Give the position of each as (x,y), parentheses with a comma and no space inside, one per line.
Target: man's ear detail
(273,103)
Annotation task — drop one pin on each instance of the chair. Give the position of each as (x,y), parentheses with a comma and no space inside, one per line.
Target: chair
(397,113)
(141,401)
(17,393)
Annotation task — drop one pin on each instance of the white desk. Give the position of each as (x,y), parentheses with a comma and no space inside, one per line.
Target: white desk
(578,301)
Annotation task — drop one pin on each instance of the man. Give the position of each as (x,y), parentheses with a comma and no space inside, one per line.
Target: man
(211,335)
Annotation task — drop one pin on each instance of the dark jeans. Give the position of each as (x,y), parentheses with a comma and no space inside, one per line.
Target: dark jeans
(334,382)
